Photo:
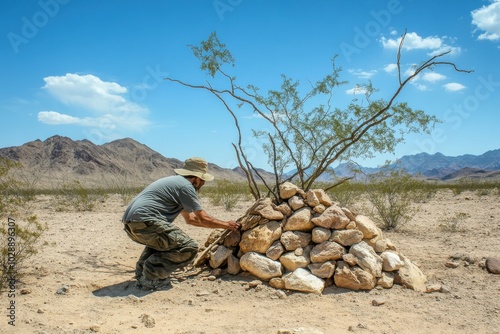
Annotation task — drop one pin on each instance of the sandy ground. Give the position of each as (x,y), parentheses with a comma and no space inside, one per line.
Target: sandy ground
(92,256)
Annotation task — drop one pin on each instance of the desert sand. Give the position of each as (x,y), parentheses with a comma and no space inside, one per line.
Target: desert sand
(82,282)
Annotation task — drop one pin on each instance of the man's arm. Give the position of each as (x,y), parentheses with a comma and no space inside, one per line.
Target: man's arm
(202,219)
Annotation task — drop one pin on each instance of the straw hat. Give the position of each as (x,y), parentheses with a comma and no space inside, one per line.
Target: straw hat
(195,167)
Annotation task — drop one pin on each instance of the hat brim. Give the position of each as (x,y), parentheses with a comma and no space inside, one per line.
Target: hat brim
(203,176)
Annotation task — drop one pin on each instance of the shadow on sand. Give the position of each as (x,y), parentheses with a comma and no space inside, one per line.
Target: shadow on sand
(123,289)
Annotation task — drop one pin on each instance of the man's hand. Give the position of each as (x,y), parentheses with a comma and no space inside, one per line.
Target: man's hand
(233,225)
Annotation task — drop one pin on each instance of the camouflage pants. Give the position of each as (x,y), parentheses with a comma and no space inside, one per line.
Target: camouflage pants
(167,248)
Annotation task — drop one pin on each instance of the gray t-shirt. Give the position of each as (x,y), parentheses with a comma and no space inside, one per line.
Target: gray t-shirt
(163,199)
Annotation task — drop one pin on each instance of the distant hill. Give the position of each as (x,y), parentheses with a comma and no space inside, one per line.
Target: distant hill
(440,166)
(59,159)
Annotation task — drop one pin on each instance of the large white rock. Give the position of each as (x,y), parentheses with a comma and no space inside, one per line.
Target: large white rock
(327,251)
(391,261)
(367,258)
(410,276)
(274,252)
(320,234)
(291,261)
(302,280)
(260,266)
(367,226)
(300,220)
(220,256)
(322,270)
(333,217)
(353,278)
(287,190)
(261,237)
(294,239)
(347,237)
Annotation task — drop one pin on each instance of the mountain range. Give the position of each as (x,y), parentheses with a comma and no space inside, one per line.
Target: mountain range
(61,159)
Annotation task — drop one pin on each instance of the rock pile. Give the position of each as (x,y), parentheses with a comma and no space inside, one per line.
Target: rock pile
(309,242)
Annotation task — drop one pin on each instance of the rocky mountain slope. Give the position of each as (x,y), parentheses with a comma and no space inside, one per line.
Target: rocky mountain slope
(61,159)
(127,162)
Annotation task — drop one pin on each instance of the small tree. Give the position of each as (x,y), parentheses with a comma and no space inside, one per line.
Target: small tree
(312,139)
(395,195)
(19,239)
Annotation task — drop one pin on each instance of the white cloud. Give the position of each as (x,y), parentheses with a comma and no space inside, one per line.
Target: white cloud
(435,45)
(363,74)
(487,20)
(453,87)
(356,90)
(433,77)
(390,68)
(53,118)
(90,92)
(106,102)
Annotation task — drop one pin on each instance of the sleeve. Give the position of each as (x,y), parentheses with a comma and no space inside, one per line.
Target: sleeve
(189,199)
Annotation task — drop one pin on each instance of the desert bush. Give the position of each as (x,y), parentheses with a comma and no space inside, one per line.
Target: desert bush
(347,194)
(19,240)
(394,195)
(453,224)
(75,196)
(226,193)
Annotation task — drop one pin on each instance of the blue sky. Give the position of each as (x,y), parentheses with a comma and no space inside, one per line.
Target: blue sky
(94,69)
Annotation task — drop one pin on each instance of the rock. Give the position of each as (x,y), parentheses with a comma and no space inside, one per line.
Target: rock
(367,258)
(386,281)
(254,284)
(270,213)
(493,265)
(319,208)
(277,283)
(390,261)
(25,291)
(323,197)
(287,190)
(353,278)
(332,218)
(220,256)
(327,251)
(275,251)
(291,261)
(62,290)
(233,265)
(380,246)
(260,266)
(147,320)
(378,302)
(285,209)
(261,237)
(294,239)
(322,270)
(367,226)
(232,239)
(350,259)
(296,202)
(320,234)
(452,264)
(299,221)
(349,214)
(311,198)
(433,288)
(302,280)
(347,237)
(410,276)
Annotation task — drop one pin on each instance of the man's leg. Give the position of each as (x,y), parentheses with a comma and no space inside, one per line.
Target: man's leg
(168,248)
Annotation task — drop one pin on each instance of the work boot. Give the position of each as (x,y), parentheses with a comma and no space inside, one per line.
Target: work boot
(148,284)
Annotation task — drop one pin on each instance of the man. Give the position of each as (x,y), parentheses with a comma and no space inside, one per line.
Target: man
(148,221)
